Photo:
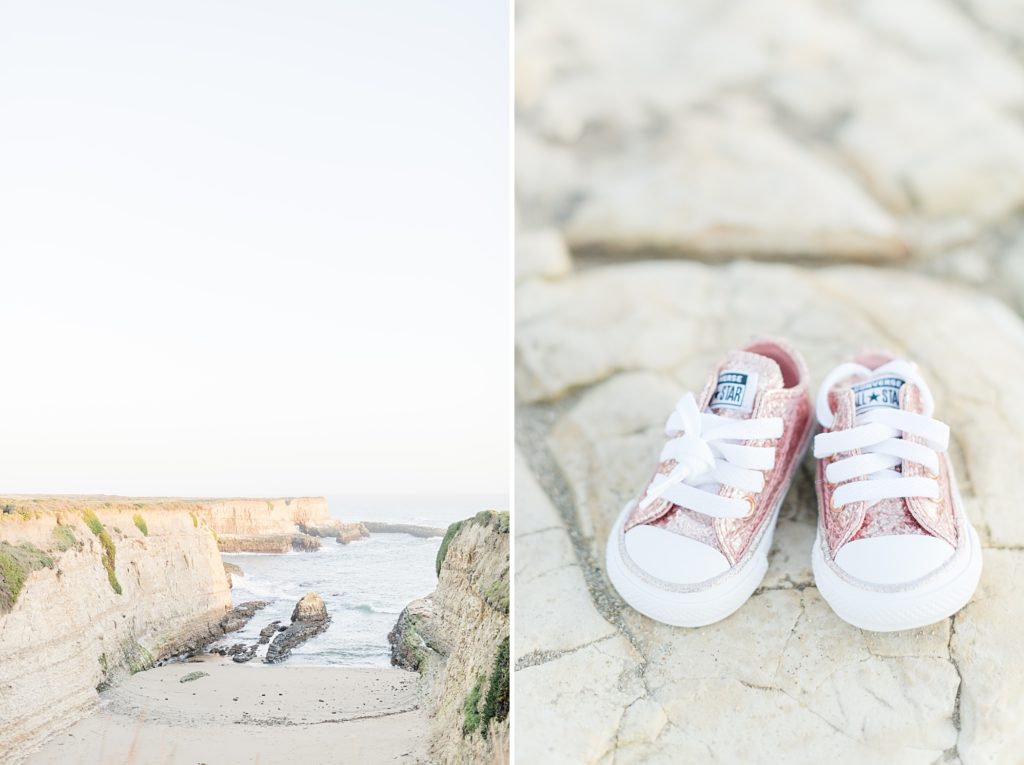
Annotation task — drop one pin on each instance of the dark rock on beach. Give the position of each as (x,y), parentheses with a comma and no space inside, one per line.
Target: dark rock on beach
(309,619)
(245,653)
(268,632)
(239,652)
(240,615)
(195,641)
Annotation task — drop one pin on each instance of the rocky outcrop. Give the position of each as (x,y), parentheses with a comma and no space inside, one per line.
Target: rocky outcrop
(266,525)
(268,543)
(240,615)
(269,631)
(309,619)
(383,527)
(101,588)
(194,642)
(232,571)
(457,639)
(409,648)
(339,530)
(258,517)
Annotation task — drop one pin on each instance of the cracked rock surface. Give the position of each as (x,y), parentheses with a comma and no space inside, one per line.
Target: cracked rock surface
(688,176)
(602,355)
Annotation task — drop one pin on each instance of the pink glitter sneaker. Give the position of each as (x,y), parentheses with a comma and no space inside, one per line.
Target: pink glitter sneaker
(694,546)
(894,550)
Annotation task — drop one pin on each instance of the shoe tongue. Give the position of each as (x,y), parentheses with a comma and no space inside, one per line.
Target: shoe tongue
(884,388)
(740,378)
(880,391)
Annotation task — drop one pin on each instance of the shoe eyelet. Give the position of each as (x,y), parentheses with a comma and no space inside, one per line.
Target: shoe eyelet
(750,505)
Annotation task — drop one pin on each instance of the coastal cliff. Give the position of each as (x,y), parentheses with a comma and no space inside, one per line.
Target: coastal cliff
(457,638)
(251,517)
(274,525)
(92,590)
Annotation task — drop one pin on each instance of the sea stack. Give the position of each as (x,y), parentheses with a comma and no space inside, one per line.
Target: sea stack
(309,619)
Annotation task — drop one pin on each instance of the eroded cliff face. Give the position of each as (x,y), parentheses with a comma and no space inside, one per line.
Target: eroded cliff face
(458,639)
(263,516)
(274,525)
(95,590)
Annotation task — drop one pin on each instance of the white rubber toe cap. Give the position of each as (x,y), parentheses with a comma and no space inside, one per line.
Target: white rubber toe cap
(893,559)
(673,558)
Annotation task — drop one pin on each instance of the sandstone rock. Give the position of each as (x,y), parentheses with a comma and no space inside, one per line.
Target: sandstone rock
(945,176)
(796,683)
(310,608)
(566,708)
(309,619)
(305,543)
(232,570)
(458,639)
(409,648)
(267,543)
(727,185)
(984,649)
(70,632)
(554,613)
(342,532)
(350,532)
(541,254)
(383,527)
(833,130)
(258,517)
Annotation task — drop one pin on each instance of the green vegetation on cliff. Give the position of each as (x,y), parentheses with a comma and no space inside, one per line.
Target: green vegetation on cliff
(16,563)
(497,520)
(491,518)
(496,702)
(449,535)
(109,549)
(415,648)
(470,710)
(64,538)
(496,593)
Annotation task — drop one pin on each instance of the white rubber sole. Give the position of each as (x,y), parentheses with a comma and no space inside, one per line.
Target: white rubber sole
(937,597)
(681,608)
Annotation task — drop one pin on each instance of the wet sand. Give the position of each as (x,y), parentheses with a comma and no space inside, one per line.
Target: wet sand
(249,714)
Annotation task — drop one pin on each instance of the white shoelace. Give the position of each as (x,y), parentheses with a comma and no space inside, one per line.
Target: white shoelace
(879,435)
(708,454)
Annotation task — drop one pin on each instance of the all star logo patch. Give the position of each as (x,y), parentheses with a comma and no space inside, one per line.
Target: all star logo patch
(880,392)
(735,390)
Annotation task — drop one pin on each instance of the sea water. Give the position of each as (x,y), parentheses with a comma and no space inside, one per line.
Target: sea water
(365,584)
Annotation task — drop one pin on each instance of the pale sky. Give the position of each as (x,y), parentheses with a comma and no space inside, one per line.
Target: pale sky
(254,248)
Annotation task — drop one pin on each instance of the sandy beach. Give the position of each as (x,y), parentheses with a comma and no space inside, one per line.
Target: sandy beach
(249,714)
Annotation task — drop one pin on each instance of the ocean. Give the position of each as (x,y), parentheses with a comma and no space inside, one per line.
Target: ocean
(423,511)
(364,584)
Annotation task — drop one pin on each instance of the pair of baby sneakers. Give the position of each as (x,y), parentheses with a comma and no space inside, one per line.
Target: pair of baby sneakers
(894,549)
